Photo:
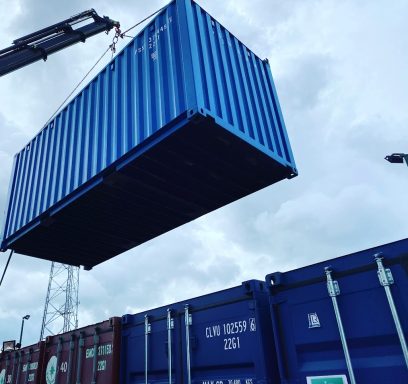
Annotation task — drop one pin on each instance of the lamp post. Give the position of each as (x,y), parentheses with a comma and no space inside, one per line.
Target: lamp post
(26,317)
(397,158)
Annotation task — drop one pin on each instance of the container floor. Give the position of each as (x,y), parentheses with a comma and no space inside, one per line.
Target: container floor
(196,169)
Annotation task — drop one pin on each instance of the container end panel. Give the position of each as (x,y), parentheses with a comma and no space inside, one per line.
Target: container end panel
(306,322)
(237,87)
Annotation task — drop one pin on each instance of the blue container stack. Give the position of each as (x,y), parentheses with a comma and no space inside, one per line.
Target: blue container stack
(282,331)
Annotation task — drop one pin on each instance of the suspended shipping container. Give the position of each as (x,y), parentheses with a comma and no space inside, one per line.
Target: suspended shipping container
(344,320)
(183,121)
(23,365)
(86,355)
(220,338)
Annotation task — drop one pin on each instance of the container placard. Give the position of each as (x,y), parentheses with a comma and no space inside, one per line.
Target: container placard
(2,376)
(336,379)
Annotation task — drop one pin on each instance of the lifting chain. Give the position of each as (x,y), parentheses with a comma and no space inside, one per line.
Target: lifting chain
(118,33)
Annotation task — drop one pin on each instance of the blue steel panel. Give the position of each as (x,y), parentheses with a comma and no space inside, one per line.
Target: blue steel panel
(230,340)
(154,119)
(313,348)
(10,195)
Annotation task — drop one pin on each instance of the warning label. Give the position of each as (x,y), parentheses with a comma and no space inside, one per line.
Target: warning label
(336,379)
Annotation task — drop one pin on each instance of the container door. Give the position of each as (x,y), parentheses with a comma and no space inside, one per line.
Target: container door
(12,370)
(6,366)
(17,367)
(224,344)
(150,349)
(32,363)
(59,359)
(98,353)
(340,327)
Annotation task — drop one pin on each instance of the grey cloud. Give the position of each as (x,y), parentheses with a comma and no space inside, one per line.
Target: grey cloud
(149,272)
(305,80)
(23,292)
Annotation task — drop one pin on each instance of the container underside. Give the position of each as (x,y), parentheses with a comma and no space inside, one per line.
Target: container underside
(195,170)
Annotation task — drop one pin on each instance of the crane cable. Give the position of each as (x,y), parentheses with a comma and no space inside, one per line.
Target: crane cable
(142,21)
(112,47)
(5,268)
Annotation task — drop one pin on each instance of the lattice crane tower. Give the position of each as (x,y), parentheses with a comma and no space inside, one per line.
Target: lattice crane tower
(62,301)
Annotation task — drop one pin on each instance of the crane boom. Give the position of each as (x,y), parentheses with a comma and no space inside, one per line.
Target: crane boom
(39,45)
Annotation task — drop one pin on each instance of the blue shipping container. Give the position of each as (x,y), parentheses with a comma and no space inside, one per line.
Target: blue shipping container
(183,121)
(220,338)
(337,324)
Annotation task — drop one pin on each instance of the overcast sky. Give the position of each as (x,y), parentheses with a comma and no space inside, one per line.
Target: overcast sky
(341,73)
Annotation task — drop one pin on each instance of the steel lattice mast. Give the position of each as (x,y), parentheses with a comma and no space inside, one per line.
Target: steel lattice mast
(62,301)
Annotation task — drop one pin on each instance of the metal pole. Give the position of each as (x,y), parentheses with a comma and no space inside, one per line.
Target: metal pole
(147,331)
(5,269)
(81,345)
(170,326)
(386,279)
(188,322)
(334,290)
(95,356)
(21,331)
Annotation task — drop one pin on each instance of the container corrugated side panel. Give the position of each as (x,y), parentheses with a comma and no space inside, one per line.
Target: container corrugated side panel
(138,152)
(130,100)
(305,325)
(87,355)
(9,365)
(228,334)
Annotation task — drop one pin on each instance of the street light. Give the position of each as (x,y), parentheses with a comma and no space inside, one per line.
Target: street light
(397,158)
(26,317)
(9,345)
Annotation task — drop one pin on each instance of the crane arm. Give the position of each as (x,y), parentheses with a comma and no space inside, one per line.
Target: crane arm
(39,45)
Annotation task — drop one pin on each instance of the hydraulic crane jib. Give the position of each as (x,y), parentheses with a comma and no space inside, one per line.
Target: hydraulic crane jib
(38,45)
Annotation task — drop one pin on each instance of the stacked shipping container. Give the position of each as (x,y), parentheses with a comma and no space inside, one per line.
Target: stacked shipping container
(345,318)
(224,337)
(86,355)
(284,331)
